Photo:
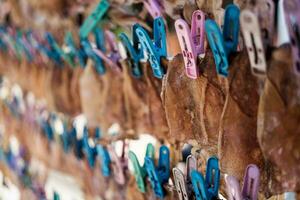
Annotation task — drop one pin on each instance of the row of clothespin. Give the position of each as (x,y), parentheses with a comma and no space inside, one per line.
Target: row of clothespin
(87,144)
(258,32)
(257,27)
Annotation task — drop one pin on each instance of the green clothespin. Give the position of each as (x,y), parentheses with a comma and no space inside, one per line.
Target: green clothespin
(56,196)
(140,172)
(93,19)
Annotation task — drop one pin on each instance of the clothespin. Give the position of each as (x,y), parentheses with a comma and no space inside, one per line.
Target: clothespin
(70,45)
(90,53)
(253,40)
(89,148)
(3,45)
(119,164)
(105,160)
(282,29)
(56,52)
(250,185)
(109,38)
(224,44)
(60,52)
(207,189)
(153,8)
(183,183)
(134,50)
(159,175)
(155,49)
(93,19)
(47,130)
(292,16)
(56,196)
(191,41)
(24,48)
(140,171)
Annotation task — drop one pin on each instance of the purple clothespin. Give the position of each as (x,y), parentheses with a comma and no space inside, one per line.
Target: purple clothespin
(119,164)
(250,185)
(153,8)
(113,57)
(191,41)
(292,16)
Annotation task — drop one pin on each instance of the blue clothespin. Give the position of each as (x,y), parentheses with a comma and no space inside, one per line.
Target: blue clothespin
(75,53)
(159,175)
(90,53)
(223,45)
(98,133)
(78,144)
(46,127)
(156,49)
(99,39)
(207,189)
(66,139)
(3,45)
(56,52)
(105,160)
(90,151)
(90,23)
(134,50)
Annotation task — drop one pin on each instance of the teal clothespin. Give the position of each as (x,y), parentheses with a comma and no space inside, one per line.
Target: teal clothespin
(140,171)
(155,49)
(56,196)
(207,189)
(224,44)
(159,175)
(92,20)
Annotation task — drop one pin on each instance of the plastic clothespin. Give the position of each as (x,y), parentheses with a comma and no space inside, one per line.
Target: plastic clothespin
(105,160)
(55,47)
(56,52)
(3,45)
(134,50)
(89,149)
(250,185)
(292,15)
(56,196)
(253,40)
(191,41)
(78,144)
(119,164)
(88,49)
(113,58)
(183,183)
(140,171)
(90,23)
(159,175)
(153,8)
(24,48)
(224,44)
(207,189)
(156,49)
(28,46)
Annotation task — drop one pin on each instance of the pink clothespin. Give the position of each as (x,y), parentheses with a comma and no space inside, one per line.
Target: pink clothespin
(191,41)
(250,185)
(119,164)
(153,8)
